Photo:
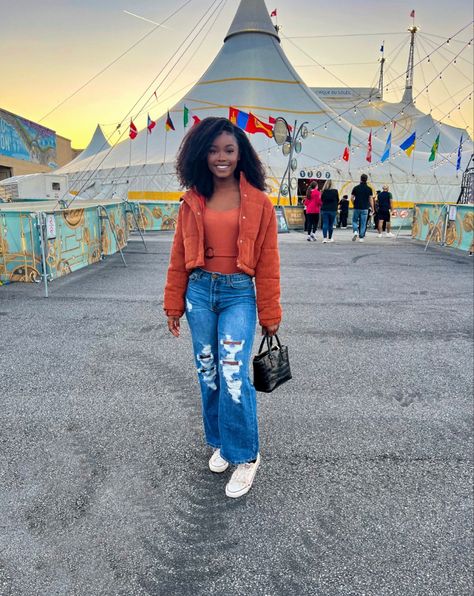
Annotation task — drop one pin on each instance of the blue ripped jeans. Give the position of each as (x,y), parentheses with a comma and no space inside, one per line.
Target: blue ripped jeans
(221,313)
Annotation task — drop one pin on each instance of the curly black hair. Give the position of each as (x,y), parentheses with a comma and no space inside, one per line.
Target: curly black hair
(191,163)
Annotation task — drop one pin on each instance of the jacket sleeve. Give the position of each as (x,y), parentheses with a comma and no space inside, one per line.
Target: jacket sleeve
(267,275)
(177,276)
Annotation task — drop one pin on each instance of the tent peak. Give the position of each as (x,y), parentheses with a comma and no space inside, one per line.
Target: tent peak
(252,17)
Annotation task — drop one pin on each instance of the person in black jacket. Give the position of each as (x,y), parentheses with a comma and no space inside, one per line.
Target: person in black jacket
(330,201)
(343,212)
(363,200)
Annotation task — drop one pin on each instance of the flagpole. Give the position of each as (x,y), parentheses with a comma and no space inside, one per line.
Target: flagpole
(412,161)
(146,146)
(164,153)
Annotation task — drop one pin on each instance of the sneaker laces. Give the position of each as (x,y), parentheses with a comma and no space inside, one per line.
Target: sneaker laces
(242,471)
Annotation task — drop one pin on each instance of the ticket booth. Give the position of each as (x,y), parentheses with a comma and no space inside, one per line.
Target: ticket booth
(308,176)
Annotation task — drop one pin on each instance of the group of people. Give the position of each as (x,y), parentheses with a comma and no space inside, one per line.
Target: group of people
(326,204)
(323,203)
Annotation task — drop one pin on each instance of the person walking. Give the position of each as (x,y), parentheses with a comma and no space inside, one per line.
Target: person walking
(308,195)
(343,212)
(329,203)
(385,206)
(224,265)
(313,207)
(362,200)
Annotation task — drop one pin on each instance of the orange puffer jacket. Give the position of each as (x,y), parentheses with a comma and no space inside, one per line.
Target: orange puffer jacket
(257,256)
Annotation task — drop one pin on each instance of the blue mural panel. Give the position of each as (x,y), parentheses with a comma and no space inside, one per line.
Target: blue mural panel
(26,140)
(83,237)
(155,215)
(450,225)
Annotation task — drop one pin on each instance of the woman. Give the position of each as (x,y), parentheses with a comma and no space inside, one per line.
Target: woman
(226,235)
(313,205)
(329,202)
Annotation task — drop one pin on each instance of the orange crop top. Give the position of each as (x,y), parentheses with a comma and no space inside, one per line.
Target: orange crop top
(221,232)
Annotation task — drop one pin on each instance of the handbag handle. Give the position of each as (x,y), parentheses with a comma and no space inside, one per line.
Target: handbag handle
(269,340)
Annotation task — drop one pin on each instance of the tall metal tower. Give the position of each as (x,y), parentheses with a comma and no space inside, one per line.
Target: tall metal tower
(408,94)
(382,62)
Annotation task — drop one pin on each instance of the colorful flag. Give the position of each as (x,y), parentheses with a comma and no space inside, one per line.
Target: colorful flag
(388,145)
(412,14)
(150,124)
(409,144)
(434,149)
(347,149)
(273,13)
(238,117)
(169,123)
(187,115)
(458,162)
(133,132)
(368,157)
(255,125)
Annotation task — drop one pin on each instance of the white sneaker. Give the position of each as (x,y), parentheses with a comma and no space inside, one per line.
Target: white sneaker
(354,236)
(361,240)
(309,239)
(379,235)
(331,240)
(325,240)
(242,479)
(390,235)
(313,236)
(217,463)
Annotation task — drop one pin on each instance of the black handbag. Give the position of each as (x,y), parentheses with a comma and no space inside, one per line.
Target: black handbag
(271,368)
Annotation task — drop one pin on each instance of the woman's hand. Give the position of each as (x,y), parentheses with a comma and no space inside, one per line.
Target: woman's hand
(270,330)
(173,325)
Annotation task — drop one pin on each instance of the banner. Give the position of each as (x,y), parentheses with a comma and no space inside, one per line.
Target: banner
(26,140)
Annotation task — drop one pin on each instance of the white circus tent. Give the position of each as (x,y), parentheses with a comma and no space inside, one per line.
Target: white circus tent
(252,73)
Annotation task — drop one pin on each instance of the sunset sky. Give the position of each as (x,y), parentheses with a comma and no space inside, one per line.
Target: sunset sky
(51,49)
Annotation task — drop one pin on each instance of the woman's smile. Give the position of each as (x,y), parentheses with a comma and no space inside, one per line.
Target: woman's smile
(223,156)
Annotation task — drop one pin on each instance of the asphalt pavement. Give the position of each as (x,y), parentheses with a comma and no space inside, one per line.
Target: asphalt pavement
(365,484)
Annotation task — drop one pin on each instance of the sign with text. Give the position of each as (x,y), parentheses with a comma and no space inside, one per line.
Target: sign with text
(50,226)
(295,218)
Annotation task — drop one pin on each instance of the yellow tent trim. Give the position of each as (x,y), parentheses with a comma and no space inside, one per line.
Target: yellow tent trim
(250,79)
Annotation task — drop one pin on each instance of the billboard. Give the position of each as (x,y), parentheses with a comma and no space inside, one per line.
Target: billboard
(26,140)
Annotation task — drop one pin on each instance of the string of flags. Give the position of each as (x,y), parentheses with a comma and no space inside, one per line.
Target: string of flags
(253,125)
